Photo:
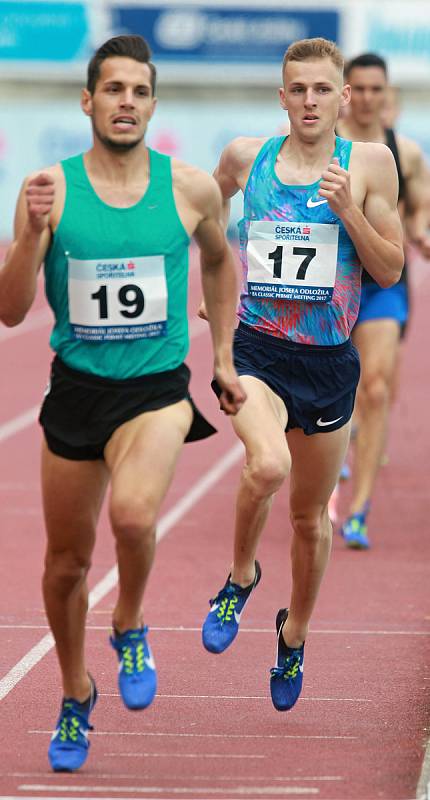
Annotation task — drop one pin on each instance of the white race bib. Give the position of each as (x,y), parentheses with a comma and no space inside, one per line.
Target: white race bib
(118,299)
(292,260)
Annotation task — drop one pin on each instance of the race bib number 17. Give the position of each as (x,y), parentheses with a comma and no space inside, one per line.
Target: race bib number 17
(292,260)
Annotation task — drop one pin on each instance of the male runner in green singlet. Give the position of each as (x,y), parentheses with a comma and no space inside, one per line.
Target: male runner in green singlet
(383,312)
(113,227)
(316,208)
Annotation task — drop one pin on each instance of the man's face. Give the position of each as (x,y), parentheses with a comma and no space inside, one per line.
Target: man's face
(312,94)
(122,103)
(368,89)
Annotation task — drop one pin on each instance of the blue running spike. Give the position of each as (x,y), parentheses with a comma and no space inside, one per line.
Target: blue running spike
(137,678)
(221,625)
(69,745)
(286,678)
(354,532)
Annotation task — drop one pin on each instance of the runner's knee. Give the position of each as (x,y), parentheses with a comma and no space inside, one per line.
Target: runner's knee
(266,472)
(133,520)
(310,526)
(65,570)
(376,391)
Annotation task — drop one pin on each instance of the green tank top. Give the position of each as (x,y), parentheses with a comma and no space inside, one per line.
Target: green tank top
(116,278)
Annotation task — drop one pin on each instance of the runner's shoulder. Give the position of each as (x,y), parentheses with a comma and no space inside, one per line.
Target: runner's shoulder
(372,155)
(241,152)
(198,187)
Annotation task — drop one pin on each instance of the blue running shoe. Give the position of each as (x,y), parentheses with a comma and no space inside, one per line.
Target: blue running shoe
(137,678)
(69,744)
(354,532)
(222,623)
(287,677)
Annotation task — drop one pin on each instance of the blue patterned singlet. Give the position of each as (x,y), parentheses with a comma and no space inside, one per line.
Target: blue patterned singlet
(293,246)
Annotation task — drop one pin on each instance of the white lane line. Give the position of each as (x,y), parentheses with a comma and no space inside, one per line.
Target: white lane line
(423,788)
(212,735)
(18,424)
(194,777)
(157,755)
(165,792)
(57,797)
(243,697)
(130,776)
(263,791)
(212,476)
(182,629)
(323,631)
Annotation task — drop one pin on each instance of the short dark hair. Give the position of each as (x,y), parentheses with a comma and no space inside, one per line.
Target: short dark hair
(127,46)
(366,60)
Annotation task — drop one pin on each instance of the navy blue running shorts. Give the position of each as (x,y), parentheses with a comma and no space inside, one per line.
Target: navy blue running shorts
(81,411)
(317,384)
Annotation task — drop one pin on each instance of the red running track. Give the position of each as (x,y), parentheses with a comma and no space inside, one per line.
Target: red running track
(358,732)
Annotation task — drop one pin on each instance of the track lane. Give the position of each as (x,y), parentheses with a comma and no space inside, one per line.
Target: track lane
(370,618)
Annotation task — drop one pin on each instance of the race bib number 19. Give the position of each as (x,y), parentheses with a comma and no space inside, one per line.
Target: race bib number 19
(118,299)
(292,260)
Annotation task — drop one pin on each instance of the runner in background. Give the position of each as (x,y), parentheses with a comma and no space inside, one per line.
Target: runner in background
(383,315)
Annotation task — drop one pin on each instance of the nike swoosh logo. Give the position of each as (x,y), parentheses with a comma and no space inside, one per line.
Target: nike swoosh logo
(150,662)
(321,424)
(237,617)
(312,203)
(301,668)
(214,607)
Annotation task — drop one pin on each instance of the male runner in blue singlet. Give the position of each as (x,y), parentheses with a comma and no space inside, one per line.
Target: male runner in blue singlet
(113,227)
(316,208)
(383,314)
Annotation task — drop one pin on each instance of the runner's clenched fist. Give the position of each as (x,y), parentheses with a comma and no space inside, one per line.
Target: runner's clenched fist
(40,194)
(335,186)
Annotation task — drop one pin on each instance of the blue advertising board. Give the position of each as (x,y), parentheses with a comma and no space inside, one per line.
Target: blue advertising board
(207,34)
(43,31)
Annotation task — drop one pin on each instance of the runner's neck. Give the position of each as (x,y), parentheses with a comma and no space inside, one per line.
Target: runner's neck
(303,162)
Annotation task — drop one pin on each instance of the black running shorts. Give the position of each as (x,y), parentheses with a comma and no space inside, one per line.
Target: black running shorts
(81,411)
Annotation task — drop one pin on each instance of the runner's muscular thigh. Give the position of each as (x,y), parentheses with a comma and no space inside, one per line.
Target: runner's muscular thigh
(176,417)
(263,418)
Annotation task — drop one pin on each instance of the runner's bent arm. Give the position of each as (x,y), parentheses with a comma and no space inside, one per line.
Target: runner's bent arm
(220,292)
(230,174)
(376,231)
(18,275)
(417,204)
